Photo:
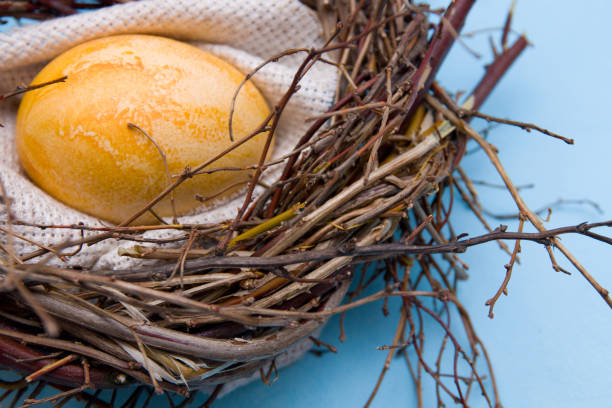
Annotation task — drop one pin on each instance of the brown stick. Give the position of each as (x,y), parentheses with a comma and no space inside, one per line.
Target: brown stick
(503,289)
(496,70)
(441,43)
(543,237)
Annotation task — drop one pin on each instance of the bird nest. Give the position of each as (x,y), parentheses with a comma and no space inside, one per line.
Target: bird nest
(365,185)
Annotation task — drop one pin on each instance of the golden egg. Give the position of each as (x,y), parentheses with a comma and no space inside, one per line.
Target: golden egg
(75,142)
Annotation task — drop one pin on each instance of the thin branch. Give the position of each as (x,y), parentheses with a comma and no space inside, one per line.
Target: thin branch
(547,208)
(507,25)
(165,160)
(19,90)
(523,125)
(543,237)
(503,289)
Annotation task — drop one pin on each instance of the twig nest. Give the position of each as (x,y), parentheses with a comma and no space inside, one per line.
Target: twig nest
(75,140)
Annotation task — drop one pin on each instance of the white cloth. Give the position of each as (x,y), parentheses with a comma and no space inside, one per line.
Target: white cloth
(243,32)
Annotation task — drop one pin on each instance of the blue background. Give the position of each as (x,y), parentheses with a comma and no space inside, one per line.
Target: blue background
(549,340)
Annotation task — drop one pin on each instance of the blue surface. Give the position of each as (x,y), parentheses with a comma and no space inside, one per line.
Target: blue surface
(549,340)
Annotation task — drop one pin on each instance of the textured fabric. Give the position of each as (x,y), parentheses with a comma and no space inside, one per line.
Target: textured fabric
(244,32)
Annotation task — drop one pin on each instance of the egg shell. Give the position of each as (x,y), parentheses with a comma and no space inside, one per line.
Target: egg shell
(74,141)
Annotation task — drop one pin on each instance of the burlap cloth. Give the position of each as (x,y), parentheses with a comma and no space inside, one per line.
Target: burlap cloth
(243,32)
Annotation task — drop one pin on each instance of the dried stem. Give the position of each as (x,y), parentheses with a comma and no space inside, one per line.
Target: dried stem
(503,289)
(523,125)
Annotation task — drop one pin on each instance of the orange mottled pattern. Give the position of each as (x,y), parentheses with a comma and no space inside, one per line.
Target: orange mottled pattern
(74,141)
